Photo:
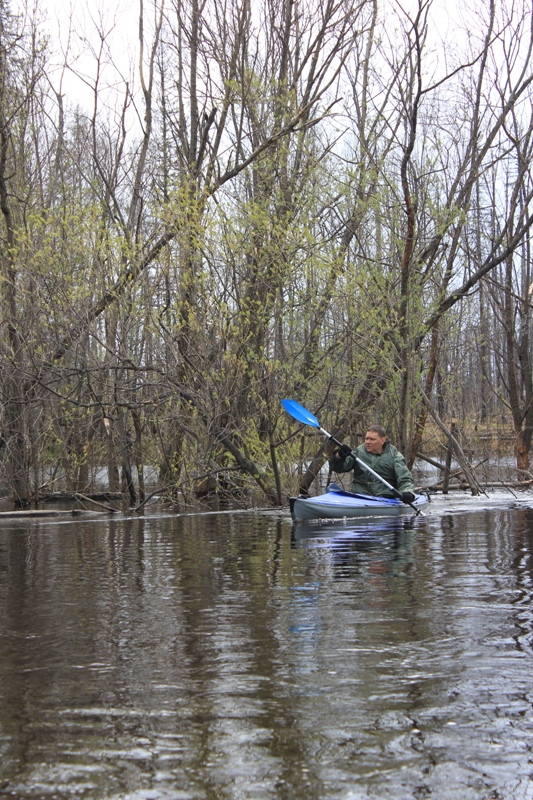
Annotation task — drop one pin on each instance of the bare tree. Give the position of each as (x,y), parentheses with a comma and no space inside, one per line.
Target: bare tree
(21,65)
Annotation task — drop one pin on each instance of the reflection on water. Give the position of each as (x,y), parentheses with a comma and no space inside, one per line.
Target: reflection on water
(234,656)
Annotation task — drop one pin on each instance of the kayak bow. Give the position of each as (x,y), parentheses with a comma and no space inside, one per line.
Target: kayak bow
(336,503)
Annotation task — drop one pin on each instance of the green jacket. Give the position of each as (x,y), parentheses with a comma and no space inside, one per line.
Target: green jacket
(390,464)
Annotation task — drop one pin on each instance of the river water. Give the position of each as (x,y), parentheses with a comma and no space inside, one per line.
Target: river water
(228,656)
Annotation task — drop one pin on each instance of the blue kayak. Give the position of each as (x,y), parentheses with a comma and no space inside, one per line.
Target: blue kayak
(336,503)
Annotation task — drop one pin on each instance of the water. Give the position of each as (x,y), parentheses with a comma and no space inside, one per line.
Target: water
(227,656)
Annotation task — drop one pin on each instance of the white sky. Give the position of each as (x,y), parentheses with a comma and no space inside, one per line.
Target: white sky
(75,24)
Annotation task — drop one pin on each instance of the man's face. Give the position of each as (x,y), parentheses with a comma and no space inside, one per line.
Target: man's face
(374,443)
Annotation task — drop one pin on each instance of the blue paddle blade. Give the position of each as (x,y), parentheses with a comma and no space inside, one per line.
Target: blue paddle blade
(300,413)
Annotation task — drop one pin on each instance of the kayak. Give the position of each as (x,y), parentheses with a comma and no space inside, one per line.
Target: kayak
(336,503)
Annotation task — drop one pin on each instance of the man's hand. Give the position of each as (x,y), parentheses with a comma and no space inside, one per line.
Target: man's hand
(343,451)
(407,497)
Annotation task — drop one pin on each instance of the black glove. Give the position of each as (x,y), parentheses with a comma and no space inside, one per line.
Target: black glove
(343,451)
(407,497)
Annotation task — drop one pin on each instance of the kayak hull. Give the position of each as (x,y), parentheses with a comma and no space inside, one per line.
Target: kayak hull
(337,504)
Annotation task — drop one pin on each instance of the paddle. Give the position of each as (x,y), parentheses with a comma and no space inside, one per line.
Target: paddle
(301,414)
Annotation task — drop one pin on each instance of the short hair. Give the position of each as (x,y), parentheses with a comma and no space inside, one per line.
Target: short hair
(381,432)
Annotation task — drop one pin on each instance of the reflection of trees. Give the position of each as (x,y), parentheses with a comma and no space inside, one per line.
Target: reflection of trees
(500,543)
(139,631)
(215,648)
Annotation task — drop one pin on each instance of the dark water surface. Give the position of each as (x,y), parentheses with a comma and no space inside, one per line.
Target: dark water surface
(226,656)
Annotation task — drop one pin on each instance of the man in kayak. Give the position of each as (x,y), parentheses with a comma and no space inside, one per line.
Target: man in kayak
(383,458)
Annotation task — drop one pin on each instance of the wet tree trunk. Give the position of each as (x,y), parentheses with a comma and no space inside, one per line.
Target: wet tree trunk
(428,388)
(138,452)
(18,453)
(519,369)
(128,486)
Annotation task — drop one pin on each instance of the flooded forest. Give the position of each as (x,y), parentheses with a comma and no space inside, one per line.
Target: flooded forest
(328,201)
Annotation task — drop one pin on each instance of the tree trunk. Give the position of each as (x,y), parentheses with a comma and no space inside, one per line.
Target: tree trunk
(428,388)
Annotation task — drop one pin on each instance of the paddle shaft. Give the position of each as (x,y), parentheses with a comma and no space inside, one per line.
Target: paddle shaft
(362,464)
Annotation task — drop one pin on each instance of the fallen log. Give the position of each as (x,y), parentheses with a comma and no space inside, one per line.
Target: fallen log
(431,461)
(45,512)
(89,499)
(456,447)
(55,497)
(436,487)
